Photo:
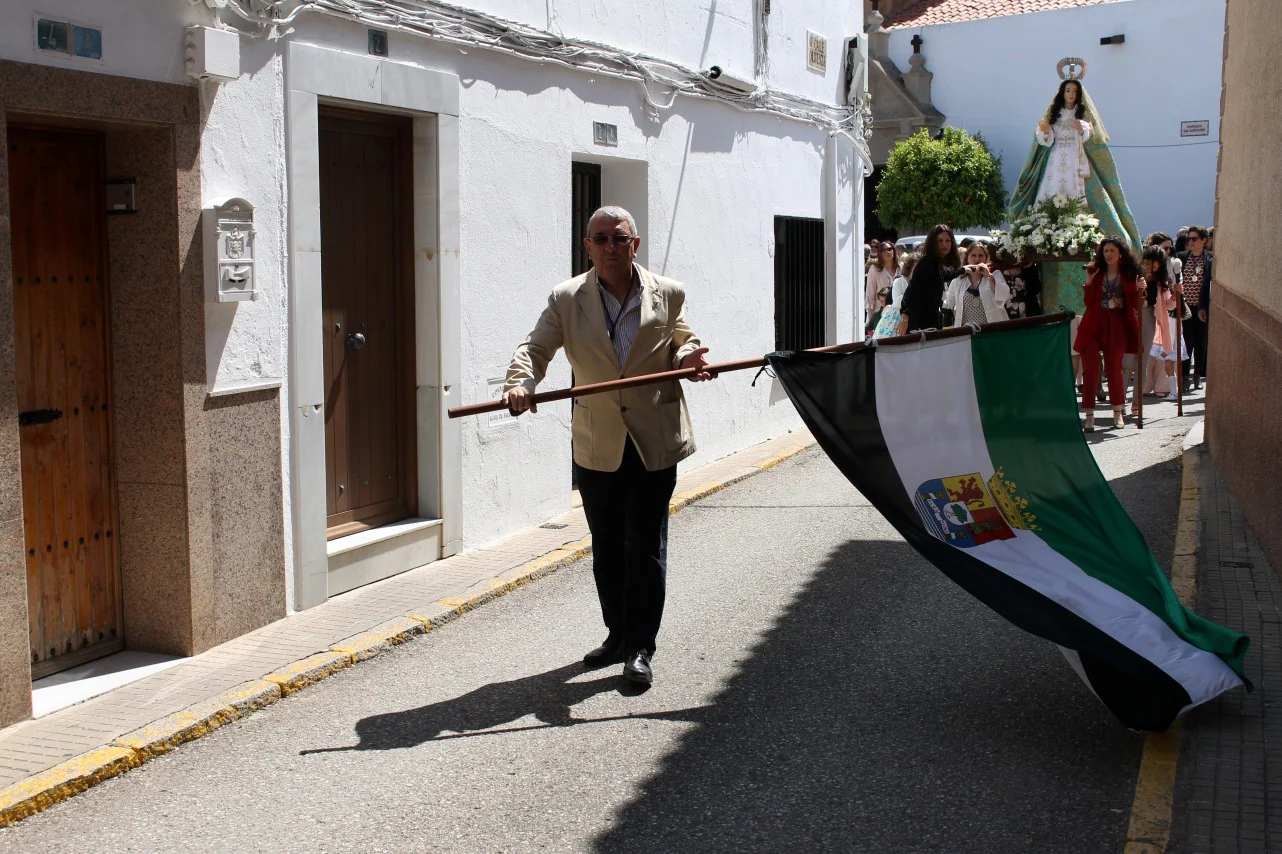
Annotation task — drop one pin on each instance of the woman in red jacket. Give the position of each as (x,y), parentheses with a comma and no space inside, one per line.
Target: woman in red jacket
(1110,326)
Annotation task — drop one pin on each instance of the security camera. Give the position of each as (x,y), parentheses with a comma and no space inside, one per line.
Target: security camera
(718,77)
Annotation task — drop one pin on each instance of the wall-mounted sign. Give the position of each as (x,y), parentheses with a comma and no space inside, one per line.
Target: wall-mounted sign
(53,36)
(605,134)
(68,39)
(122,196)
(86,42)
(816,51)
(1198,128)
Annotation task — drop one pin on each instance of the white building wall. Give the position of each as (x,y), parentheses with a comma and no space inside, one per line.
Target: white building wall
(705,180)
(997,76)
(696,33)
(703,33)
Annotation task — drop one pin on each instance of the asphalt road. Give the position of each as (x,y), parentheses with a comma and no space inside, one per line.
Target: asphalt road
(818,687)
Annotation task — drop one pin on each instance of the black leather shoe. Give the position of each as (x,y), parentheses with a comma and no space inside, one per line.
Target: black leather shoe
(610,652)
(637,668)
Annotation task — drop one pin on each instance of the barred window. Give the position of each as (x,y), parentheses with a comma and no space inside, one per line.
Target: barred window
(799,283)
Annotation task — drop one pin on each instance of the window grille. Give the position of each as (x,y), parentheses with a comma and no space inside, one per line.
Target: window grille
(585,197)
(799,283)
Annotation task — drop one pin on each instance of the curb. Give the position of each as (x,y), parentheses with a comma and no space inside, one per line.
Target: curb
(163,735)
(1149,830)
(686,498)
(43,790)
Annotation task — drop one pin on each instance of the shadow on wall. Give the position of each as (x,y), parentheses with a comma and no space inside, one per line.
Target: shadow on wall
(849,174)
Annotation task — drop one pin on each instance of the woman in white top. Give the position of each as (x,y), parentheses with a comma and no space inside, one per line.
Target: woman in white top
(979,294)
(880,277)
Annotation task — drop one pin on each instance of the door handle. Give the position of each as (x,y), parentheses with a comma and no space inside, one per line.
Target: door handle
(356,340)
(38,416)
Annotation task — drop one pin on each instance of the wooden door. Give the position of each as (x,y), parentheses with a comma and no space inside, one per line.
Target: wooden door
(368,312)
(64,395)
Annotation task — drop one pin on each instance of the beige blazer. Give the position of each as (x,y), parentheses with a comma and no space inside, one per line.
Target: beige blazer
(655,416)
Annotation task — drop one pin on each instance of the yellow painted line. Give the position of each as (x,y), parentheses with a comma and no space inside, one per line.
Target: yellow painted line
(377,640)
(297,675)
(512,579)
(786,455)
(41,791)
(1150,827)
(1153,808)
(685,499)
(1184,562)
(195,721)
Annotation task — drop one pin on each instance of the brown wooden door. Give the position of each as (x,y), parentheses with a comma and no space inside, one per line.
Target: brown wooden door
(61,336)
(367,301)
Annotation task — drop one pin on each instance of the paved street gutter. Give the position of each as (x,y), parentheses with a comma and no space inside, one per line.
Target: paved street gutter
(51,786)
(1149,831)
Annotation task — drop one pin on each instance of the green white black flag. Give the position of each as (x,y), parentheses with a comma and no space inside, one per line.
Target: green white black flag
(971,447)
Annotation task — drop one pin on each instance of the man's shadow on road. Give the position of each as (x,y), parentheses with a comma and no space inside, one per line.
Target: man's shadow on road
(549,697)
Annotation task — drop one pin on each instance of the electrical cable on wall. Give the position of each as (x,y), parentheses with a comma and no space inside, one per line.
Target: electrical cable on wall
(1168,145)
(456,25)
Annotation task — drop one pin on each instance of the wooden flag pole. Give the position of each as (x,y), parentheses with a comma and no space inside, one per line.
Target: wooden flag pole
(748,364)
(1140,363)
(1179,354)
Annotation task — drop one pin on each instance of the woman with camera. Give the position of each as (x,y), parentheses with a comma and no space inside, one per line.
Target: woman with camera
(979,294)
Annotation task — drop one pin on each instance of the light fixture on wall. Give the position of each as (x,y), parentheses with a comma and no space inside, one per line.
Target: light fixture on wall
(856,69)
(1120,38)
(729,81)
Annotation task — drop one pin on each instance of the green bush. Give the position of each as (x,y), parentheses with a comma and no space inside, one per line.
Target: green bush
(954,179)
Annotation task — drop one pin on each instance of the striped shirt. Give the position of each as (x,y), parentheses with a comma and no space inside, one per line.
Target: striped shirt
(626,320)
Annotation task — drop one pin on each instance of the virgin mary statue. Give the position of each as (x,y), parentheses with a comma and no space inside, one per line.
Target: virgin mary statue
(1070,157)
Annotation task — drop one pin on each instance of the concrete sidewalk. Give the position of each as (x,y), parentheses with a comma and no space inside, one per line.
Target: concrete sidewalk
(50,759)
(1228,795)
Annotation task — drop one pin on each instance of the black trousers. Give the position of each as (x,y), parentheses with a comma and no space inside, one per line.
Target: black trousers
(1195,343)
(627,512)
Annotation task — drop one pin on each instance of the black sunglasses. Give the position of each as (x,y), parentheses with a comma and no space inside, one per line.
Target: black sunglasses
(617,239)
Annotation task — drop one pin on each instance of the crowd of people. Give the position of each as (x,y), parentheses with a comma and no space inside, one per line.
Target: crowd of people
(1144,329)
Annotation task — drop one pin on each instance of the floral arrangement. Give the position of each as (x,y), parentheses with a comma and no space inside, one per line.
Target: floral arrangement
(1057,225)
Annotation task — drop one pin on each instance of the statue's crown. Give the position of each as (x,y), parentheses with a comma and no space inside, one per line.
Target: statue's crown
(1071,68)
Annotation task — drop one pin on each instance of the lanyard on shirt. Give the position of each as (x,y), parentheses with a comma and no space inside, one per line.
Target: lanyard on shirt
(623,309)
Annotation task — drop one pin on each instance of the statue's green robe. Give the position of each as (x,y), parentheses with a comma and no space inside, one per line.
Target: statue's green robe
(1062,283)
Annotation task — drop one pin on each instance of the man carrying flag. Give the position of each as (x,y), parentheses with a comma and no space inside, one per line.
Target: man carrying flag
(620,320)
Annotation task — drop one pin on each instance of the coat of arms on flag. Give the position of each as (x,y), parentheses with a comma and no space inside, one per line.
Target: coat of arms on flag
(965,511)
